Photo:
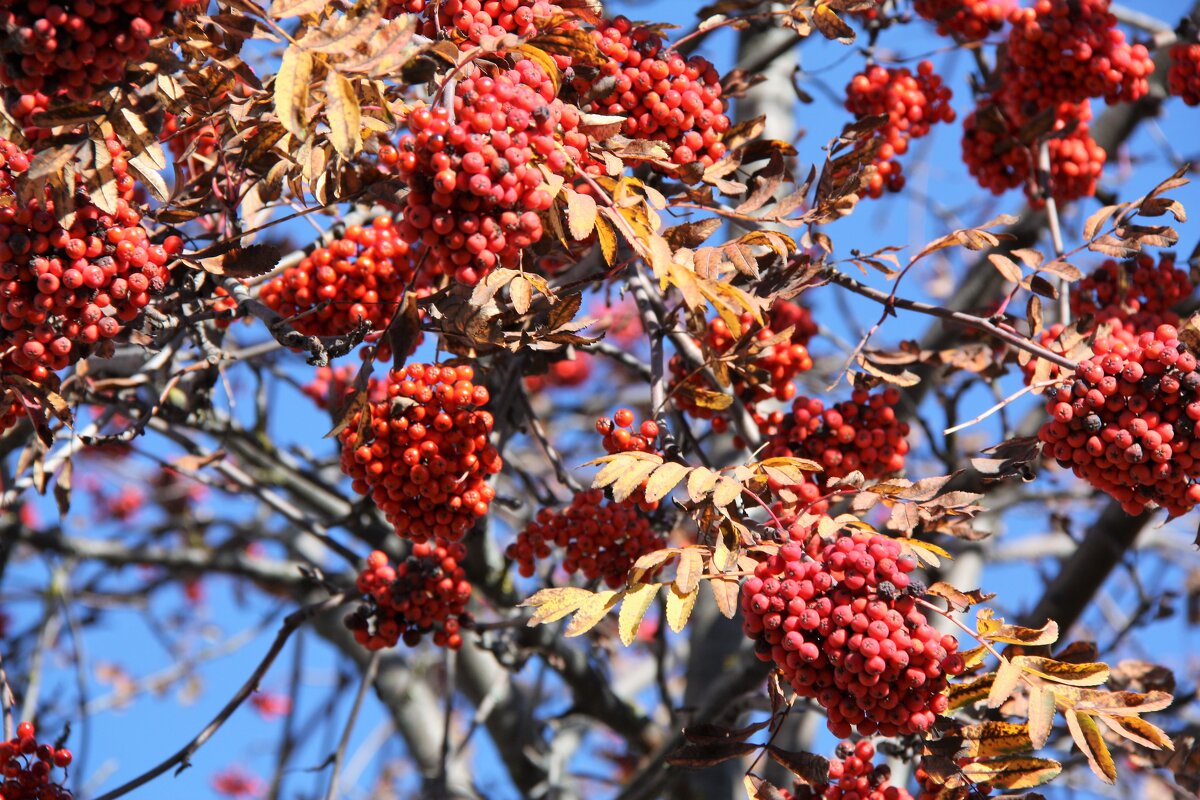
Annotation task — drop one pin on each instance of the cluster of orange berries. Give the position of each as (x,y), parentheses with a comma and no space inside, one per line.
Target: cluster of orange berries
(1130,297)
(862,433)
(74,48)
(1060,54)
(63,290)
(599,539)
(912,104)
(998,159)
(1071,50)
(620,437)
(476,184)
(778,362)
(841,621)
(358,277)
(425,593)
(1127,421)
(28,767)
(469,21)
(662,95)
(422,452)
(969,21)
(1183,77)
(853,776)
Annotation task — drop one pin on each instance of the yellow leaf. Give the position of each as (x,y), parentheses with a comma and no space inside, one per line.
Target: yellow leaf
(991,739)
(1138,730)
(1013,773)
(664,479)
(291,90)
(649,561)
(725,592)
(679,607)
(726,492)
(1007,677)
(554,604)
(343,114)
(1088,738)
(581,215)
(521,294)
(965,694)
(608,240)
(1041,715)
(1087,674)
(689,569)
(700,483)
(592,611)
(631,479)
(633,609)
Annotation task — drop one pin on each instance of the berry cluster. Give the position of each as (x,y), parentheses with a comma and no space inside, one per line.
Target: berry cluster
(845,629)
(476,185)
(1066,51)
(770,367)
(332,386)
(619,437)
(1127,289)
(1183,77)
(1130,297)
(469,21)
(999,159)
(565,372)
(63,290)
(422,453)
(75,48)
(854,776)
(861,433)
(662,95)
(28,767)
(359,277)
(425,593)
(912,104)
(968,21)
(599,538)
(192,135)
(1126,423)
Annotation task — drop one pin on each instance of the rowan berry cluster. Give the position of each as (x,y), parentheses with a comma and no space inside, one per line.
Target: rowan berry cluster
(422,453)
(1130,297)
(425,593)
(1066,51)
(620,437)
(63,290)
(598,538)
(358,277)
(1127,289)
(969,21)
(563,373)
(1183,77)
(469,21)
(845,629)
(662,95)
(999,160)
(29,766)
(912,104)
(476,184)
(776,358)
(1126,423)
(75,48)
(332,386)
(854,776)
(861,433)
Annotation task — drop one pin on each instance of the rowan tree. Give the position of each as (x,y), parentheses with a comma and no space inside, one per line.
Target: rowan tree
(517,398)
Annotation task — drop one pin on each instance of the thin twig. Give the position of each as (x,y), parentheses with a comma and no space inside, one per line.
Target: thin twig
(182,756)
(368,679)
(1002,404)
